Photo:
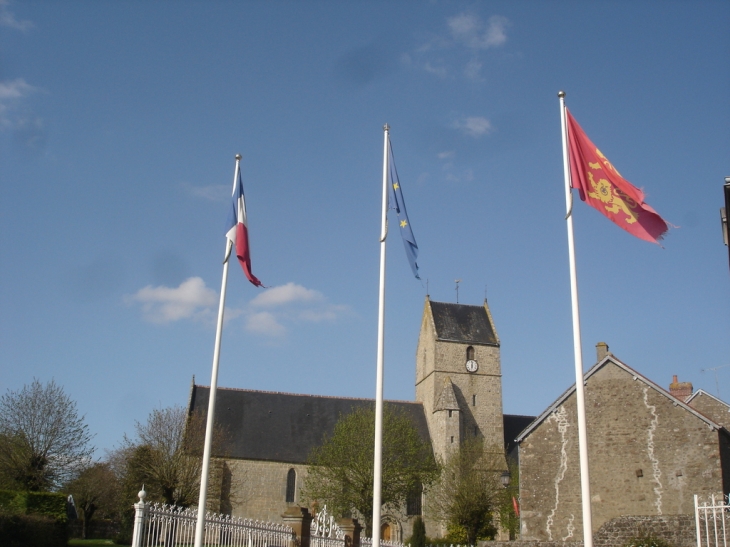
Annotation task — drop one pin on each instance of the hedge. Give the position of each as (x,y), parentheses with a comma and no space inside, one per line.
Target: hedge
(50,504)
(18,530)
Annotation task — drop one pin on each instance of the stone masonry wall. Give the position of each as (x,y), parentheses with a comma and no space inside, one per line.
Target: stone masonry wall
(712,408)
(258,488)
(677,530)
(646,455)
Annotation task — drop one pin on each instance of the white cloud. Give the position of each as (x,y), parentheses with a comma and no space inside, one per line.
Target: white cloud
(474,126)
(446,155)
(7,18)
(470,31)
(273,311)
(265,323)
(286,294)
(11,93)
(212,192)
(192,299)
(457,49)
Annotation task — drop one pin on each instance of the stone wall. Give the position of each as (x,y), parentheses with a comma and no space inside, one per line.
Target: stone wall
(677,530)
(258,488)
(647,454)
(712,408)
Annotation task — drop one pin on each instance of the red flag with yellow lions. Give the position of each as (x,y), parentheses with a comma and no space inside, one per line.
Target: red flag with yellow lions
(602,187)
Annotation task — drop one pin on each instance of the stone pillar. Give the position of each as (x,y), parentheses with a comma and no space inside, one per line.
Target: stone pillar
(601,351)
(299,519)
(352,529)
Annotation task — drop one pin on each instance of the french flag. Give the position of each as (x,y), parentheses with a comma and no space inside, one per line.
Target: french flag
(238,230)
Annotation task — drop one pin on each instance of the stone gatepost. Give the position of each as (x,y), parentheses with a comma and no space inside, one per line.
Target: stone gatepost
(299,519)
(352,529)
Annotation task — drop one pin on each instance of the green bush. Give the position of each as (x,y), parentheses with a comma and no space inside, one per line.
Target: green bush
(50,504)
(418,538)
(18,530)
(647,540)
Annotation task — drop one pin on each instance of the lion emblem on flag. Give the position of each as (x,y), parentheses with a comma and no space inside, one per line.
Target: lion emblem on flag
(613,199)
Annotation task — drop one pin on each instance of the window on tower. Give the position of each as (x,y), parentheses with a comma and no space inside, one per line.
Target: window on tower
(470,353)
(473,400)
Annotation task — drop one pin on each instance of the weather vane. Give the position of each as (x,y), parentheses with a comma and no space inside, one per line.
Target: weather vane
(457,281)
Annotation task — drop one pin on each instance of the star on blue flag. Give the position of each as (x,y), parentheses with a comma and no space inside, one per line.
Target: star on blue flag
(409,241)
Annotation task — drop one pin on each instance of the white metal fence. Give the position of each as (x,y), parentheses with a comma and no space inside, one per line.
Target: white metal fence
(158,525)
(711,521)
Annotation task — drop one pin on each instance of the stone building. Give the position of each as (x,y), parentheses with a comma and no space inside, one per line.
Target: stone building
(649,453)
(710,406)
(458,394)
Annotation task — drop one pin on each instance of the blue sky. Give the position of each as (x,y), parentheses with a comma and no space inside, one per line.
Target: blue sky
(119,122)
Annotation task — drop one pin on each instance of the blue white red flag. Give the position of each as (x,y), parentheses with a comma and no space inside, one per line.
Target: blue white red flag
(409,241)
(238,231)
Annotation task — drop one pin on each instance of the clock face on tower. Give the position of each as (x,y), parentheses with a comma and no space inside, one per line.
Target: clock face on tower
(471,365)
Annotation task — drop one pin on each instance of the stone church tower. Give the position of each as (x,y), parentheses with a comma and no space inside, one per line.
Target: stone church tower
(458,375)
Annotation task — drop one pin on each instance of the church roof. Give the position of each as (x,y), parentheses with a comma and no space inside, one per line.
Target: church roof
(463,323)
(284,427)
(447,398)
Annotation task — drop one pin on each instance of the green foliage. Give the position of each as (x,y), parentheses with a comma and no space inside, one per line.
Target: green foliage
(418,538)
(508,519)
(43,441)
(468,490)
(18,530)
(49,504)
(341,472)
(647,540)
(95,492)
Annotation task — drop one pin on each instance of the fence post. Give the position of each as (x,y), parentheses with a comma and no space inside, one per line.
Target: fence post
(140,515)
(299,519)
(352,529)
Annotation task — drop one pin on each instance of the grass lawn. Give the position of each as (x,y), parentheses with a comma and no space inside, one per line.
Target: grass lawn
(89,542)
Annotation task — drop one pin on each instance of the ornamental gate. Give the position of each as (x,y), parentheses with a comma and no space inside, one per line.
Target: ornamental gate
(711,520)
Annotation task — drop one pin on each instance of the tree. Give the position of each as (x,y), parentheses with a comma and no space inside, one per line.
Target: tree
(43,441)
(468,491)
(95,491)
(341,472)
(418,538)
(167,456)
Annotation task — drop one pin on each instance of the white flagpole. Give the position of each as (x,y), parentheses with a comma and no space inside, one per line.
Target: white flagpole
(585,486)
(378,459)
(200,524)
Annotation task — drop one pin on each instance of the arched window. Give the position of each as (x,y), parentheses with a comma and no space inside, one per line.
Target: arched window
(291,483)
(470,353)
(413,501)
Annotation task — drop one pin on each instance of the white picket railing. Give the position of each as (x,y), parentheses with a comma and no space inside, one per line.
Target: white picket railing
(324,532)
(368,542)
(711,516)
(170,526)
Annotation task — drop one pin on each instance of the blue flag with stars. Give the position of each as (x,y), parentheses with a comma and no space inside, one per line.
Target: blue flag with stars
(404,225)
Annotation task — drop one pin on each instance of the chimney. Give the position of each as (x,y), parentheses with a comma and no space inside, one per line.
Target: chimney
(601,351)
(681,390)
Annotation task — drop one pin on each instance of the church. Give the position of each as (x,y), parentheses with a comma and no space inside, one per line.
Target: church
(458,382)
(650,450)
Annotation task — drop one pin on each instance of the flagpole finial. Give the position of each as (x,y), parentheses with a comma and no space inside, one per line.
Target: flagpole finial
(561,94)
(386,127)
(238,157)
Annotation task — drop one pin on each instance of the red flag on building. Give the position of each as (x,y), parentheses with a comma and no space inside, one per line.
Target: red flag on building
(602,187)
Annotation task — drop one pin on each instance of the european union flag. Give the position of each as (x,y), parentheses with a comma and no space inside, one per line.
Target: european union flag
(409,242)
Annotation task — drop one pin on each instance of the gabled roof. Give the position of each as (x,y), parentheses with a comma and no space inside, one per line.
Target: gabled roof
(463,323)
(447,397)
(701,392)
(606,360)
(284,427)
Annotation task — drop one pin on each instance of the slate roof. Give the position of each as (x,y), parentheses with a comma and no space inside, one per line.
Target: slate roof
(284,427)
(513,426)
(463,323)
